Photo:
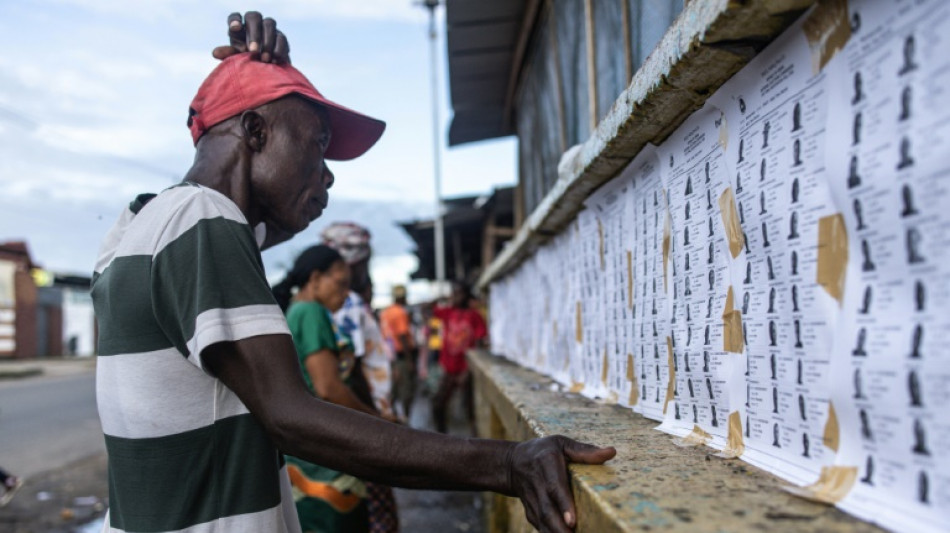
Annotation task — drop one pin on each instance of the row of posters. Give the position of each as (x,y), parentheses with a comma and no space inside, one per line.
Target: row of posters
(770,281)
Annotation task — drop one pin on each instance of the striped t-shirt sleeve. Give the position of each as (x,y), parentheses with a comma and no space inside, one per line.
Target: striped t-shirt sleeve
(208,281)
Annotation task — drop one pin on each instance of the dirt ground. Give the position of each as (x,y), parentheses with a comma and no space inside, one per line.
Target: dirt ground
(60,501)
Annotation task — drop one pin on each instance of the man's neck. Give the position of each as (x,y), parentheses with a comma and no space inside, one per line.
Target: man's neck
(224,167)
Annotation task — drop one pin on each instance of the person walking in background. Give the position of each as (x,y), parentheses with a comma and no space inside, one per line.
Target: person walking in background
(10,484)
(328,501)
(463,327)
(397,330)
(356,320)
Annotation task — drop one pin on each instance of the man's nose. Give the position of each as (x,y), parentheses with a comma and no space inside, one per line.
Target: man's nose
(327,177)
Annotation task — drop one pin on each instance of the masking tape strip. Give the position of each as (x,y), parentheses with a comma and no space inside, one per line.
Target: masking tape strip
(578,324)
(632,378)
(832,255)
(730,222)
(827,30)
(832,486)
(629,279)
(603,368)
(732,340)
(734,445)
(723,132)
(667,223)
(671,385)
(832,436)
(576,387)
(697,437)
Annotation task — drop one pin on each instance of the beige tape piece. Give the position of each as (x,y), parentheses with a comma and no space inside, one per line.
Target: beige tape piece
(576,387)
(732,325)
(832,436)
(723,132)
(832,255)
(671,385)
(730,221)
(827,30)
(629,279)
(697,437)
(632,378)
(667,229)
(603,368)
(600,236)
(734,444)
(832,486)
(578,324)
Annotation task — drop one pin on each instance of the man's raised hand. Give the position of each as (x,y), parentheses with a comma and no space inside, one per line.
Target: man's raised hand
(257,35)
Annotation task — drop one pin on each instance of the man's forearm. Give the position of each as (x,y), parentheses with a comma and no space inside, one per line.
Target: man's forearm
(394,455)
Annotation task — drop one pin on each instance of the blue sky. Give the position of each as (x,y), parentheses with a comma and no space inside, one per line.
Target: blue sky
(93,100)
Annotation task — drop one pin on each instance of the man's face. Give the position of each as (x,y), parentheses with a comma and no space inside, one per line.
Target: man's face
(289,178)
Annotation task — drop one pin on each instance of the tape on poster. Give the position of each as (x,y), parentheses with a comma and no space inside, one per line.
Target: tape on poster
(723,131)
(603,368)
(667,222)
(671,386)
(730,222)
(832,436)
(578,324)
(827,30)
(732,340)
(632,378)
(832,255)
(832,486)
(697,437)
(629,279)
(734,444)
(576,387)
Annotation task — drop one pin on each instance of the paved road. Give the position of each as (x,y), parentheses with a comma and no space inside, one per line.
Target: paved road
(49,421)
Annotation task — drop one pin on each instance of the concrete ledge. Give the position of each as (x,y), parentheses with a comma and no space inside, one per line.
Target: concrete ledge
(15,371)
(708,43)
(651,484)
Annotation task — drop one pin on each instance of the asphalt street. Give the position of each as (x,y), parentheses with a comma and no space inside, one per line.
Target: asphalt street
(47,422)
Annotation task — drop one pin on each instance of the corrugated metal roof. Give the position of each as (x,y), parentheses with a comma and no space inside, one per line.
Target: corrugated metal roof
(484,40)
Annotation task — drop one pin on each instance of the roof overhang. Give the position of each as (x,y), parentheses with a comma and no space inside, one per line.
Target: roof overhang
(486,42)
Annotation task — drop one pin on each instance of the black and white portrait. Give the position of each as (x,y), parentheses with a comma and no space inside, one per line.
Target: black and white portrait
(741,105)
(748,273)
(912,242)
(859,213)
(868,471)
(920,438)
(798,334)
(686,211)
(865,425)
(794,298)
(907,199)
(858,88)
(920,296)
(866,301)
(913,388)
(711,231)
(923,488)
(793,226)
(765,235)
(910,63)
(762,170)
(859,346)
(797,117)
(705,361)
(867,265)
(765,134)
(714,419)
(795,191)
(917,338)
(775,434)
(906,159)
(796,153)
(771,300)
(794,261)
(856,129)
(745,302)
(741,146)
(907,102)
(802,411)
(695,415)
(854,179)
(762,209)
(775,399)
(805,445)
(798,379)
(773,334)
(773,366)
(858,388)
(707,171)
(689,185)
(709,389)
(771,269)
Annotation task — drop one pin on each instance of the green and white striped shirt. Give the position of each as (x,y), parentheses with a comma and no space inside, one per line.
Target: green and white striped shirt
(178,272)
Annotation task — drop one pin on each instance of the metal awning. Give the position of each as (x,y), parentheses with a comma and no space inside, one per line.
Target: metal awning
(486,41)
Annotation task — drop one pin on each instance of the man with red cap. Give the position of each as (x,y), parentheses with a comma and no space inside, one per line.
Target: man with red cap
(198,383)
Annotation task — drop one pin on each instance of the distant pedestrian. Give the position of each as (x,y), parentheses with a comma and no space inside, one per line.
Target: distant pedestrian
(11,484)
(397,328)
(462,329)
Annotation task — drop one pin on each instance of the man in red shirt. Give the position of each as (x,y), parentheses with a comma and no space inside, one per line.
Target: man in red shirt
(462,329)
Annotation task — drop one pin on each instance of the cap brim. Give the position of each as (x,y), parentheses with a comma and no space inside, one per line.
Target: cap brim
(352,133)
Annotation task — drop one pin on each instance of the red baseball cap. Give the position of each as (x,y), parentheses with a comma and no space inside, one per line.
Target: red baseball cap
(240,83)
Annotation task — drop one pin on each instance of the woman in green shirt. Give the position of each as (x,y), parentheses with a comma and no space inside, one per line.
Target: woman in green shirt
(327,501)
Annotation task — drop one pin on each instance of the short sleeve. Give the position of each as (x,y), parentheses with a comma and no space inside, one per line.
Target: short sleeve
(312,329)
(207,278)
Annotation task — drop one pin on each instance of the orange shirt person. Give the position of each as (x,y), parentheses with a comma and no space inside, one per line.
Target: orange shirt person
(398,332)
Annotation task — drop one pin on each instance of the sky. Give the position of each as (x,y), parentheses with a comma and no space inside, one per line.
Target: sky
(94,98)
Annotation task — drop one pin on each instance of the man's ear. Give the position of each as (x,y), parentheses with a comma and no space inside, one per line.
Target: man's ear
(254,129)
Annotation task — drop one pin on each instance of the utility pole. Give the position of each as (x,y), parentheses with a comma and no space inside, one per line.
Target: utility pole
(439,230)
